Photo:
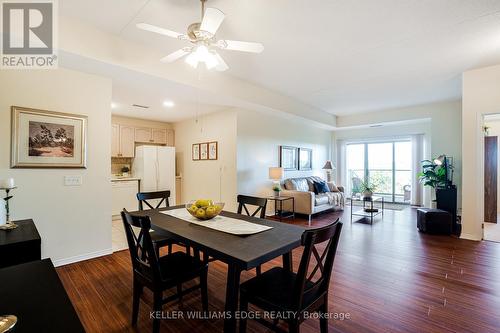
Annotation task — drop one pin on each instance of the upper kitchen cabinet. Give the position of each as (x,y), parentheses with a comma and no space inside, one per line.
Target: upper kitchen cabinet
(143,135)
(159,136)
(171,138)
(122,141)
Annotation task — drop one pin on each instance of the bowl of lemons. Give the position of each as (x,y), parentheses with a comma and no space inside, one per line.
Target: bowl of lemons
(204,209)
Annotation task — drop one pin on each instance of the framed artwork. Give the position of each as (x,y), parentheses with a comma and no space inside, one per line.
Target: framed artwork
(196,152)
(289,158)
(212,150)
(47,139)
(305,159)
(204,151)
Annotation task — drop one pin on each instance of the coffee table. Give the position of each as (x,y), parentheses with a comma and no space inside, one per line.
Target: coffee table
(368,210)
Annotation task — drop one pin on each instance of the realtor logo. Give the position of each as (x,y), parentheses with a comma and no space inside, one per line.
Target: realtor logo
(28,34)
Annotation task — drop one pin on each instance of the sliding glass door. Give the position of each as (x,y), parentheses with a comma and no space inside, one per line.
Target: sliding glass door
(386,164)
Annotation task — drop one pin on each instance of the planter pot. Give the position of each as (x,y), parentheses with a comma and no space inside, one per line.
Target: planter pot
(367,194)
(277,193)
(434,204)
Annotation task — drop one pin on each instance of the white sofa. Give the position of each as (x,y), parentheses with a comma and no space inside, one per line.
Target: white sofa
(309,203)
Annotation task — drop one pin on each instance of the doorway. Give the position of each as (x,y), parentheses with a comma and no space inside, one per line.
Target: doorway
(491,131)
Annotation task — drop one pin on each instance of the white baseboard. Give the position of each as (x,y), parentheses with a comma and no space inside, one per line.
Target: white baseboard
(470,237)
(71,260)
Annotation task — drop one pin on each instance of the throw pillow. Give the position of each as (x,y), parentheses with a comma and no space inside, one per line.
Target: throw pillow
(333,187)
(321,187)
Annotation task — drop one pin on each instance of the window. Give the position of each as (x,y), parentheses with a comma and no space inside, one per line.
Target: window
(386,164)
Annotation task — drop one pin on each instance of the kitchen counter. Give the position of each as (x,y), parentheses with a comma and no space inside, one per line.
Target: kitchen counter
(125,179)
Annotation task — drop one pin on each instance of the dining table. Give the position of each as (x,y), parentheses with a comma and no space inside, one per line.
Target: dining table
(238,252)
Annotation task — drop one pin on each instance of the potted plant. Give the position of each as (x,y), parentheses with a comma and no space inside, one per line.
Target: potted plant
(367,188)
(277,190)
(125,171)
(432,175)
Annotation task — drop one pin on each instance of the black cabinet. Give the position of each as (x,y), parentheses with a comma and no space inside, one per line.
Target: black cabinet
(19,245)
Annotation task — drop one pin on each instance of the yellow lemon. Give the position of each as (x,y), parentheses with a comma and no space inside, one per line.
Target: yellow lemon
(211,211)
(200,213)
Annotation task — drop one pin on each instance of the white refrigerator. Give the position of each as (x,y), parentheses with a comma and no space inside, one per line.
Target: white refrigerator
(155,166)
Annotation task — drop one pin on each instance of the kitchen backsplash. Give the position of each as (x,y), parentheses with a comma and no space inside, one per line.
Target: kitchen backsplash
(117,163)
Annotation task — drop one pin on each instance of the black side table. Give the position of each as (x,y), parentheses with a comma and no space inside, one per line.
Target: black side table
(278,209)
(20,245)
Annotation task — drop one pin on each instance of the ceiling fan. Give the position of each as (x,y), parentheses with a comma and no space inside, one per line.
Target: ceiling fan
(204,44)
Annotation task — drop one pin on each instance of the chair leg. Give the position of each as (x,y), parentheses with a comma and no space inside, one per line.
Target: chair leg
(136,299)
(309,221)
(204,290)
(157,306)
(179,292)
(259,270)
(243,308)
(170,248)
(323,320)
(293,326)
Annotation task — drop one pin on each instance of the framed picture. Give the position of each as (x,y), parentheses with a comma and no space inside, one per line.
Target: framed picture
(196,152)
(47,139)
(204,151)
(305,159)
(212,150)
(289,158)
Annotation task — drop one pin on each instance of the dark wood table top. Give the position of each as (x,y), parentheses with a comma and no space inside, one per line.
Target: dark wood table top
(25,232)
(34,293)
(245,251)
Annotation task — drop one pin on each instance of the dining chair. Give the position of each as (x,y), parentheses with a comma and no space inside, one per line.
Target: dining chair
(280,290)
(260,203)
(162,198)
(160,273)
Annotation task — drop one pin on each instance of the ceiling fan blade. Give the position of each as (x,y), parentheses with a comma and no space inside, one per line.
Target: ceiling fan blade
(158,30)
(236,45)
(221,66)
(212,19)
(176,55)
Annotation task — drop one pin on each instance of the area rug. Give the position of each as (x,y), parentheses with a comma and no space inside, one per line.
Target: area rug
(387,205)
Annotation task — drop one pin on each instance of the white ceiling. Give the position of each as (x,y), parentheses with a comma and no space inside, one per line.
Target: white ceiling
(340,56)
(130,87)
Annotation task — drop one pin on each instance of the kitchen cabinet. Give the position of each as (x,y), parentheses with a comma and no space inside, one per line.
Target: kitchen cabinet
(123,195)
(143,135)
(170,138)
(159,136)
(122,141)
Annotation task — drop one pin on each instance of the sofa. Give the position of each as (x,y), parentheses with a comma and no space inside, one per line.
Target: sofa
(307,201)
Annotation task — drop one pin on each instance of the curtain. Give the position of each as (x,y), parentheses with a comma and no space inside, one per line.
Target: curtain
(417,144)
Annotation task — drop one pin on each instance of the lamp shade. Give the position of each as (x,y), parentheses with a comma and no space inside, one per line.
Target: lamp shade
(440,160)
(276,173)
(329,166)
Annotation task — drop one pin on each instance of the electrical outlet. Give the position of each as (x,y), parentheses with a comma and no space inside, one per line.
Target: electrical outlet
(72,180)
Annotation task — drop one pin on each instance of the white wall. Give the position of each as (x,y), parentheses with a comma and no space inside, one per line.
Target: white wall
(480,96)
(441,126)
(259,138)
(74,222)
(214,180)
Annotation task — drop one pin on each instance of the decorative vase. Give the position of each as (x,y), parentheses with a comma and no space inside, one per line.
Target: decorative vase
(367,194)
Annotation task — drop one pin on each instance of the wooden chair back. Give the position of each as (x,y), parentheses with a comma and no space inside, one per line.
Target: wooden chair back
(306,285)
(260,203)
(143,198)
(142,252)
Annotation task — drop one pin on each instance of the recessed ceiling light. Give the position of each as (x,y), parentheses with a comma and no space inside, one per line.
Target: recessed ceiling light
(114,105)
(168,104)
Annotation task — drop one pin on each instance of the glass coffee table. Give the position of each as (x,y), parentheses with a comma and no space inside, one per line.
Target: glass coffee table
(372,206)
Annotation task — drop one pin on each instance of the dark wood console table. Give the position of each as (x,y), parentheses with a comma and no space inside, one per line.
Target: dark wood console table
(19,245)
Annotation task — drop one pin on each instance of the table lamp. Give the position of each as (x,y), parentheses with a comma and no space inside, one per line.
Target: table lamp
(276,174)
(329,166)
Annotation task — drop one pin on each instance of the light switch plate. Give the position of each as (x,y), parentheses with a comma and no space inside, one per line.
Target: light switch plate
(72,180)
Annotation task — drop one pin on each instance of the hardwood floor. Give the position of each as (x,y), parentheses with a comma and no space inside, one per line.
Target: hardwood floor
(387,277)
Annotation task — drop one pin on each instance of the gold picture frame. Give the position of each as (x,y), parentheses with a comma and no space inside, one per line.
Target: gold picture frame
(195,152)
(47,139)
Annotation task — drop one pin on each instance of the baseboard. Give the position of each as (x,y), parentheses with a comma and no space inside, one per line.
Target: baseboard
(91,255)
(470,237)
